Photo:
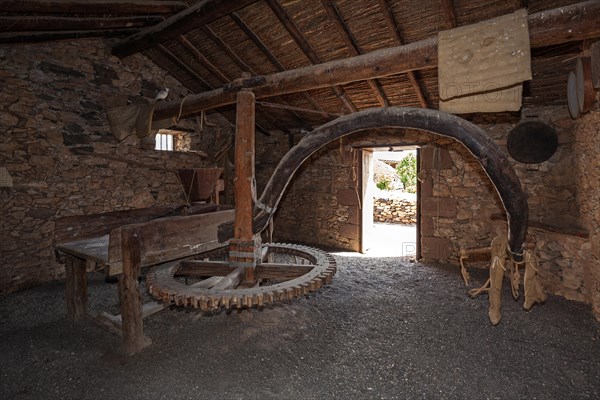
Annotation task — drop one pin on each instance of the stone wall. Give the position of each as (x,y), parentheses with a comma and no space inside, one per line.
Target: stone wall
(459,202)
(60,154)
(395,210)
(320,205)
(586,253)
(459,206)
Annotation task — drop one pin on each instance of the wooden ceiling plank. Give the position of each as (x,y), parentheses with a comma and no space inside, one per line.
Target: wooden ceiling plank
(200,13)
(52,23)
(306,48)
(394,27)
(546,28)
(338,21)
(93,6)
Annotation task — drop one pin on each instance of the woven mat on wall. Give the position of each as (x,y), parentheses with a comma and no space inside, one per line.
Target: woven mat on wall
(482,66)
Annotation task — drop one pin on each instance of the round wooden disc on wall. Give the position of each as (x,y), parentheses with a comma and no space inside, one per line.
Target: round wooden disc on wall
(585,88)
(532,142)
(572,101)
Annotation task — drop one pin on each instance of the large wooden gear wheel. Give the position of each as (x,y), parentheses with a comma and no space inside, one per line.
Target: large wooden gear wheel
(287,271)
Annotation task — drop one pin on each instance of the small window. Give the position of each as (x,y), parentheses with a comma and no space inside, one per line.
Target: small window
(164,141)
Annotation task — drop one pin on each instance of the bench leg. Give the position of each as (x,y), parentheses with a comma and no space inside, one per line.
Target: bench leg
(76,288)
(129,293)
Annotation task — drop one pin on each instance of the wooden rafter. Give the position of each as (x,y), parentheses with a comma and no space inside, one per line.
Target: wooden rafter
(200,13)
(52,23)
(393,26)
(216,72)
(550,27)
(301,41)
(94,6)
(336,18)
(45,36)
(299,109)
(246,68)
(448,6)
(188,70)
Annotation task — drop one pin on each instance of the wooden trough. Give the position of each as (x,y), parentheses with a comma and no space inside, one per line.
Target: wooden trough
(122,243)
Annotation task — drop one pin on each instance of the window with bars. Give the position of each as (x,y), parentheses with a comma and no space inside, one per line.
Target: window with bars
(164,141)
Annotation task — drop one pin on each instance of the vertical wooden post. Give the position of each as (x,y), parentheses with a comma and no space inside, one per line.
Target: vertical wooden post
(76,288)
(242,246)
(129,292)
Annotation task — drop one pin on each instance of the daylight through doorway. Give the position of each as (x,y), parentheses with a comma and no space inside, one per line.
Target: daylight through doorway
(390,202)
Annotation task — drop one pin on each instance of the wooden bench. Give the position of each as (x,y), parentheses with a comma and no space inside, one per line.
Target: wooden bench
(122,243)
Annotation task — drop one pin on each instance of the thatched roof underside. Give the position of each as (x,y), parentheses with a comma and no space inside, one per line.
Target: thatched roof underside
(231,45)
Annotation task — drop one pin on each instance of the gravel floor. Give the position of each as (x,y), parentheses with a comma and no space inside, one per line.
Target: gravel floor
(384,329)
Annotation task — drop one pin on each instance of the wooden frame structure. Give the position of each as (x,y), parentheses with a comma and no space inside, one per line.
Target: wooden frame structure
(123,242)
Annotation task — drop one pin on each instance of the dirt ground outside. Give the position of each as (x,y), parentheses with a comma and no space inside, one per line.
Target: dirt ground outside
(384,329)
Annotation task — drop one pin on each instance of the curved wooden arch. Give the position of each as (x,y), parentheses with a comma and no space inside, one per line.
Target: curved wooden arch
(487,153)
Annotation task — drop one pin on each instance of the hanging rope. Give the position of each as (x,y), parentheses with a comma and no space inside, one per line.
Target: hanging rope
(186,195)
(435,177)
(181,108)
(496,262)
(355,176)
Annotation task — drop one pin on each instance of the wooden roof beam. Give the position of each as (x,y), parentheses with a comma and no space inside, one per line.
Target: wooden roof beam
(546,28)
(52,23)
(200,13)
(93,6)
(393,26)
(46,36)
(448,6)
(224,79)
(306,48)
(299,109)
(243,66)
(188,70)
(344,30)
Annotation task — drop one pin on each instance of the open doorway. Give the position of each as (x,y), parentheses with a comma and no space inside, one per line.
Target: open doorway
(390,202)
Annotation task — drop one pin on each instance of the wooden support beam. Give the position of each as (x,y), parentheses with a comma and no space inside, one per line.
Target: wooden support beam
(224,79)
(202,59)
(257,41)
(200,13)
(191,72)
(246,68)
(243,66)
(231,281)
(46,36)
(336,18)
(93,6)
(551,27)
(241,247)
(448,6)
(129,292)
(196,268)
(52,23)
(76,288)
(244,165)
(298,109)
(393,26)
(306,48)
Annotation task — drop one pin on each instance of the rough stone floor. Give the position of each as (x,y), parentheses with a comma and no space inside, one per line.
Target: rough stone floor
(384,329)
